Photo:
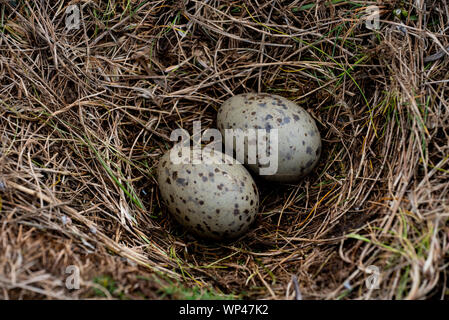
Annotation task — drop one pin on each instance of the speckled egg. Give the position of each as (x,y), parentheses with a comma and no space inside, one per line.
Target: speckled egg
(299,141)
(214,199)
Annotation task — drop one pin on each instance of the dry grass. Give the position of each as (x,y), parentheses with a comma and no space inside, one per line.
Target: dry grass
(85,115)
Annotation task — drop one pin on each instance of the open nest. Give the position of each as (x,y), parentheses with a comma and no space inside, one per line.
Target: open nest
(85,114)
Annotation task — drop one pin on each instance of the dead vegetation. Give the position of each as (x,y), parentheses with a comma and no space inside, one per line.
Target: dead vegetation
(86,113)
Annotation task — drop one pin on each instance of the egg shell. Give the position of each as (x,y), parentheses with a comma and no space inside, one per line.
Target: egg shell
(211,199)
(299,141)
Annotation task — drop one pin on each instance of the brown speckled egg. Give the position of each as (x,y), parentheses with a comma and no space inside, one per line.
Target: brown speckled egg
(299,141)
(211,199)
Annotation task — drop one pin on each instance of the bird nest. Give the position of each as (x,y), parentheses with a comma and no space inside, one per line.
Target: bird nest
(86,111)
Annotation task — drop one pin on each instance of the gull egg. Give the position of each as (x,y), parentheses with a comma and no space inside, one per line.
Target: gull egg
(215,198)
(298,139)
